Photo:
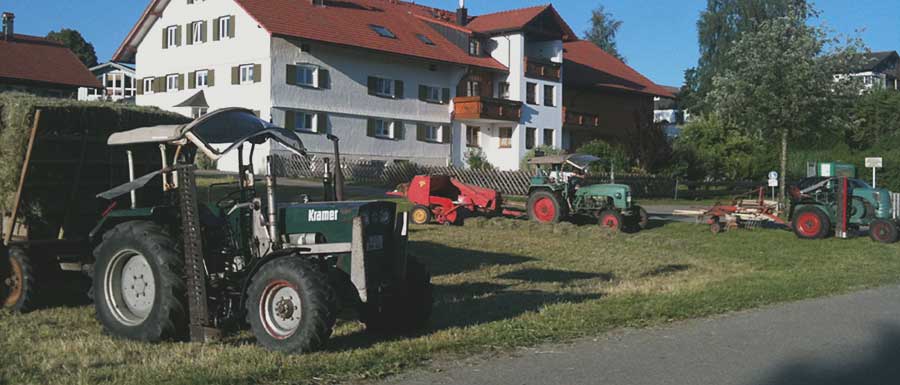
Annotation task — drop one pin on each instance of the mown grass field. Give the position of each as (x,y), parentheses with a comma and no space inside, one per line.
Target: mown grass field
(500,284)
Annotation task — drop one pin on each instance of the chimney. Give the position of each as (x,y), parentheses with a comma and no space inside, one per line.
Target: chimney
(462,14)
(8,26)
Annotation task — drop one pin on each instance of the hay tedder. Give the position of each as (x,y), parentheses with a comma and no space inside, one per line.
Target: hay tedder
(445,200)
(749,210)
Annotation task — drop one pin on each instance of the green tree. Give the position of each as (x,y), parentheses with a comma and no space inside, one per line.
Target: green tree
(709,148)
(603,30)
(876,117)
(79,46)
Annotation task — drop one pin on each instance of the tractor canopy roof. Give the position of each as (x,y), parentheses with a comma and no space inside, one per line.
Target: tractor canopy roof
(579,161)
(230,126)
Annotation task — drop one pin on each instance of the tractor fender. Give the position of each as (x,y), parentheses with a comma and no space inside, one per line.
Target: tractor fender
(113,218)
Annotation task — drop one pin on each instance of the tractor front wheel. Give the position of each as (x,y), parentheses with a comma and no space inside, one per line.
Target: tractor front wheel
(420,215)
(545,207)
(291,306)
(811,223)
(139,291)
(883,231)
(406,311)
(611,219)
(17,281)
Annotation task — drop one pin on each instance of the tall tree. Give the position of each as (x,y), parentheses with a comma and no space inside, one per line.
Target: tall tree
(73,39)
(603,30)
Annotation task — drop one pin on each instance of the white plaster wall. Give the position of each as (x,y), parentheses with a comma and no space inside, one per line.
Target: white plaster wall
(251,45)
(547,50)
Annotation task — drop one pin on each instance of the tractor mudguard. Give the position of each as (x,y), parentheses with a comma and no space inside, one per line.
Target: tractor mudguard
(116,217)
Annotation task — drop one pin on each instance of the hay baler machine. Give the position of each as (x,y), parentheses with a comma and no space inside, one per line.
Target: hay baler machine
(446,200)
(750,210)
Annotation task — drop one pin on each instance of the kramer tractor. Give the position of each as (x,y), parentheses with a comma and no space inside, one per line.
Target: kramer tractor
(165,266)
(557,193)
(821,206)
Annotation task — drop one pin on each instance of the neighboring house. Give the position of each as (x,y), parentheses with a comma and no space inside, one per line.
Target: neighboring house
(396,81)
(668,112)
(879,69)
(39,66)
(118,83)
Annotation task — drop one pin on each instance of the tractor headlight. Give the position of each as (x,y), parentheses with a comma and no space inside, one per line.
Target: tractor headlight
(618,195)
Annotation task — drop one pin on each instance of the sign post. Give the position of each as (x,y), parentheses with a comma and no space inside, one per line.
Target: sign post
(773,182)
(874,164)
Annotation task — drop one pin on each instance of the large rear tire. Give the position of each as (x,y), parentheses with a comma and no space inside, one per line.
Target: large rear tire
(139,290)
(291,306)
(811,223)
(546,207)
(883,231)
(17,283)
(407,311)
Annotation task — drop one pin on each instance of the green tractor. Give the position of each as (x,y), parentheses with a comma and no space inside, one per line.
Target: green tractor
(173,268)
(557,193)
(821,206)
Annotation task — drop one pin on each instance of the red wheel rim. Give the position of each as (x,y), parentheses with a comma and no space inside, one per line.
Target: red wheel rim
(880,231)
(544,210)
(609,221)
(809,224)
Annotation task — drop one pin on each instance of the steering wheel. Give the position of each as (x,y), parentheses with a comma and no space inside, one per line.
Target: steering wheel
(229,200)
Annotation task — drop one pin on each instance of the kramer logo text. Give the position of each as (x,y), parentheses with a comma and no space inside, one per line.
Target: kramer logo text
(323,215)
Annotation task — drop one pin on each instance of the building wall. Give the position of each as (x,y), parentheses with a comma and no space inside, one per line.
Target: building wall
(621,114)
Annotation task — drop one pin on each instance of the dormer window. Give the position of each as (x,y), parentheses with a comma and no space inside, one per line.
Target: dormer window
(425,39)
(383,32)
(474,47)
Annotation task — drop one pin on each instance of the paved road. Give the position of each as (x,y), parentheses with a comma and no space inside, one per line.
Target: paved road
(852,339)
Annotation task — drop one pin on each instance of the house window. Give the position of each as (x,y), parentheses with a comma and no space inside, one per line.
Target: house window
(148,85)
(224,27)
(197,112)
(549,96)
(506,137)
(197,32)
(531,93)
(473,88)
(382,31)
(246,74)
(503,90)
(433,133)
(384,87)
(472,134)
(304,121)
(474,47)
(202,78)
(425,39)
(530,137)
(171,83)
(384,129)
(548,137)
(172,36)
(433,94)
(306,75)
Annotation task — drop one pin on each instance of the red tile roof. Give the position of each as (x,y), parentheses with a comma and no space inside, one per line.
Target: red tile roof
(41,60)
(588,65)
(506,20)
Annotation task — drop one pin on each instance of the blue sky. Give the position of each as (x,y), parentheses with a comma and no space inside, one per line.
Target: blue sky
(658,38)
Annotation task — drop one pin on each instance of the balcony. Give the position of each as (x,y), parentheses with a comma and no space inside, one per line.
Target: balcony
(543,69)
(477,109)
(580,119)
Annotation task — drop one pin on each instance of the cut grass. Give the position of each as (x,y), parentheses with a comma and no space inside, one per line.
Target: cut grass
(500,284)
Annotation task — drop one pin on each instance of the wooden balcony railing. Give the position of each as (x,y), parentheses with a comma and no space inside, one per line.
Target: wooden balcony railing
(476,108)
(543,69)
(580,119)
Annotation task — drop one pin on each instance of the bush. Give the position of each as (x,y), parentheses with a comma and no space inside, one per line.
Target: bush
(203,162)
(477,160)
(547,150)
(611,154)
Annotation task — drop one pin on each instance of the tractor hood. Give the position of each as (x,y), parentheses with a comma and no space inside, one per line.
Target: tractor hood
(231,127)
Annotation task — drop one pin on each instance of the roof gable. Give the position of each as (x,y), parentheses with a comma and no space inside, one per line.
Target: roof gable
(38,59)
(587,65)
(542,17)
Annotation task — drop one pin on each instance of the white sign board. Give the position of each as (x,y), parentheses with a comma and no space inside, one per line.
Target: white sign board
(773,174)
(874,163)
(773,182)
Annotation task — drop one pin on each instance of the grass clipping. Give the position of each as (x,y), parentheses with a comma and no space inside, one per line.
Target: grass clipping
(17,114)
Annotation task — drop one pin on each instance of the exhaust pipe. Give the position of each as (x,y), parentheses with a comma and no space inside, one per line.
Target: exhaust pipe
(270,195)
(338,171)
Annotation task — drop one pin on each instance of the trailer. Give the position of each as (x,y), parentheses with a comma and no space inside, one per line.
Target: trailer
(445,200)
(742,212)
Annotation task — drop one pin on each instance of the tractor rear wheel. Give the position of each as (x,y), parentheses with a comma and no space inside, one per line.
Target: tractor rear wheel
(811,223)
(611,219)
(643,219)
(139,290)
(17,281)
(291,306)
(546,207)
(883,231)
(407,311)
(420,215)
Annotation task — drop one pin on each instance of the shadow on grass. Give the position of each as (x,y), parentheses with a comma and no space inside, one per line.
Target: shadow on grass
(543,275)
(666,270)
(443,260)
(878,366)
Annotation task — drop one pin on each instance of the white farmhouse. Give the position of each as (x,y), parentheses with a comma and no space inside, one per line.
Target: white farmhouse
(118,82)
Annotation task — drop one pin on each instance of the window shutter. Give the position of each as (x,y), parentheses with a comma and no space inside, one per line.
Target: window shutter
(178,36)
(203,31)
(180,82)
(445,134)
(231,26)
(257,73)
(291,74)
(370,128)
(423,93)
(192,80)
(211,78)
(190,1)
(190,33)
(215,29)
(290,121)
(445,96)
(398,89)
(139,87)
(399,130)
(322,123)
(236,75)
(420,132)
(324,78)
(159,84)
(373,82)
(165,42)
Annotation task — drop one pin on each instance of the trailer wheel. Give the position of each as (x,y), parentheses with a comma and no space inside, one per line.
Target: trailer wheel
(406,311)
(611,219)
(883,231)
(291,306)
(420,215)
(17,281)
(139,291)
(545,207)
(715,226)
(811,223)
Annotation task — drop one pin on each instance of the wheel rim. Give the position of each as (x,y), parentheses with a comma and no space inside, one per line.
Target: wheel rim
(880,230)
(280,309)
(809,224)
(130,287)
(420,216)
(609,221)
(544,210)
(13,283)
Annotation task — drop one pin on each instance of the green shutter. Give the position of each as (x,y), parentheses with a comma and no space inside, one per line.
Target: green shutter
(324,78)
(373,82)
(178,36)
(257,73)
(322,123)
(236,75)
(370,128)
(165,34)
(203,31)
(190,1)
(190,33)
(399,130)
(159,84)
(291,75)
(445,134)
(420,132)
(398,89)
(290,120)
(180,82)
(192,80)
(211,78)
(423,93)
(445,96)
(215,29)
(139,87)
(231,26)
